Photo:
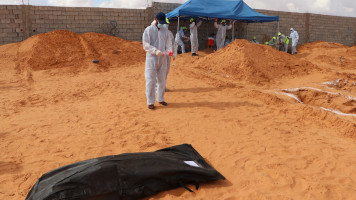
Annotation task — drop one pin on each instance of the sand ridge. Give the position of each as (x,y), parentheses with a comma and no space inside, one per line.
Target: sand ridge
(258,64)
(60,49)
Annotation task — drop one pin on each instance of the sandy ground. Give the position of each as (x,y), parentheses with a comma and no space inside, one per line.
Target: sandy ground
(272,134)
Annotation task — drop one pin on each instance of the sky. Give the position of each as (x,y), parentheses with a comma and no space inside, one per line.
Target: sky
(328,7)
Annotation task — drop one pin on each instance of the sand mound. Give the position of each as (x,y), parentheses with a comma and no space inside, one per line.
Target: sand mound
(327,54)
(258,64)
(320,44)
(60,49)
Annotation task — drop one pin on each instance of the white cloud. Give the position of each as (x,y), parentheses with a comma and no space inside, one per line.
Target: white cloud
(13,2)
(328,7)
(292,7)
(322,5)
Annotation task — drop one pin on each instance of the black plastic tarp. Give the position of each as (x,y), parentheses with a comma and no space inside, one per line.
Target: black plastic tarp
(125,176)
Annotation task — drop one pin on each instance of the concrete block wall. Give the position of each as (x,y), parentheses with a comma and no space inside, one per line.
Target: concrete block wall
(333,29)
(11,20)
(18,22)
(130,22)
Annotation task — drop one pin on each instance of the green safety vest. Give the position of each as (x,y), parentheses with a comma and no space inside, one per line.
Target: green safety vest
(286,40)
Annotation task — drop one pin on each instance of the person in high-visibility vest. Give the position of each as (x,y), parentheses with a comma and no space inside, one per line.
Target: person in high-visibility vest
(254,40)
(273,42)
(284,42)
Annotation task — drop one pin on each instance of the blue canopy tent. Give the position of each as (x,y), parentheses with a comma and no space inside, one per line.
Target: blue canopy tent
(226,9)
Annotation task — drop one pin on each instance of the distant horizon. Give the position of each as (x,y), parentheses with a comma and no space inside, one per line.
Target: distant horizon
(344,8)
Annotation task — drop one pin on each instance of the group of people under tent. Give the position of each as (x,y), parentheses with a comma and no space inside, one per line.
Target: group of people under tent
(219,40)
(283,41)
(160,46)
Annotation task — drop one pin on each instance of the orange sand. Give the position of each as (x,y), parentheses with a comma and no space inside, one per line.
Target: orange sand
(56,108)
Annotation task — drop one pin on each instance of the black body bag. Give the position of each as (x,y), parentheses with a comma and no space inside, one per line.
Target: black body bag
(126,176)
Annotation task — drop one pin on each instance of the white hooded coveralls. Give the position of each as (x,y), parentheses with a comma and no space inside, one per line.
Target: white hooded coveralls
(155,40)
(295,37)
(179,40)
(194,36)
(221,34)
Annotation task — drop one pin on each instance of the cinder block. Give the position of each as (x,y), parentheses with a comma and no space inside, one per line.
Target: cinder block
(16,11)
(13,7)
(85,9)
(83,21)
(18,21)
(52,17)
(40,12)
(9,16)
(62,17)
(42,7)
(57,12)
(6,30)
(66,21)
(48,21)
(69,9)
(5,21)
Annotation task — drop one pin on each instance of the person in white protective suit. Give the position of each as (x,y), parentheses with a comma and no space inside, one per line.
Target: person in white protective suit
(221,34)
(194,36)
(180,36)
(156,43)
(294,37)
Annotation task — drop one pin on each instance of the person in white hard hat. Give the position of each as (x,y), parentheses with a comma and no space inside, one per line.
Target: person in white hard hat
(221,34)
(194,36)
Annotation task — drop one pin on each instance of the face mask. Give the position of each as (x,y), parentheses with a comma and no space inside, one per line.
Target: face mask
(160,25)
(165,25)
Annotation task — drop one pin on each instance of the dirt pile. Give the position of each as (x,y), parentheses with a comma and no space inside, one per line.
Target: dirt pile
(59,49)
(320,44)
(328,54)
(258,64)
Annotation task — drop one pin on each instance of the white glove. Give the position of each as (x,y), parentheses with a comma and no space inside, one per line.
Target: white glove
(159,53)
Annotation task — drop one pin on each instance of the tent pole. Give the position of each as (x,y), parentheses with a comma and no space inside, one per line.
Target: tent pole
(233,31)
(247,38)
(278,34)
(207,31)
